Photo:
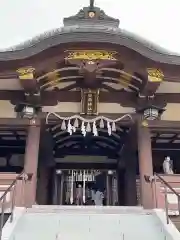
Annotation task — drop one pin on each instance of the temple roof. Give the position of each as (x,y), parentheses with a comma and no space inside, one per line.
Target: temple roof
(91,15)
(90,24)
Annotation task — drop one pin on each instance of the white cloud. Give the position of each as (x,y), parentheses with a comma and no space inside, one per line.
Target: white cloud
(156,20)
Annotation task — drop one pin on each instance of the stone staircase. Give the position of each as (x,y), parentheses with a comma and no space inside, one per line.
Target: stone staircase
(176,221)
(86,222)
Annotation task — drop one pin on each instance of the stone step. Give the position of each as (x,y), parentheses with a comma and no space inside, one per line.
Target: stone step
(88,209)
(117,223)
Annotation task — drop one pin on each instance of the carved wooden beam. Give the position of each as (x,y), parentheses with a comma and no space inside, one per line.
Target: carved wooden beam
(50,79)
(166,146)
(16,123)
(126,99)
(151,82)
(29,84)
(90,63)
(164,126)
(93,152)
(147,93)
(27,79)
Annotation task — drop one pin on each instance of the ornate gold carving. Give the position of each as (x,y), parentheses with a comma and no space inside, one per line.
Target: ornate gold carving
(90,55)
(53,79)
(125,79)
(91,14)
(144,123)
(155,75)
(26,73)
(53,76)
(90,62)
(89,101)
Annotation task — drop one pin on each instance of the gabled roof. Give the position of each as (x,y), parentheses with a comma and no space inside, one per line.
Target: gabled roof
(91,15)
(90,24)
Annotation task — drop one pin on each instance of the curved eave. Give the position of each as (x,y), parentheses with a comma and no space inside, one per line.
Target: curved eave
(91,34)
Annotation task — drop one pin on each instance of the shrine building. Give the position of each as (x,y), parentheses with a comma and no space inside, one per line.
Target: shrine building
(89,104)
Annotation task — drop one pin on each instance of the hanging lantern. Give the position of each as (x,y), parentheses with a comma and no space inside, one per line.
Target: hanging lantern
(25,110)
(151,112)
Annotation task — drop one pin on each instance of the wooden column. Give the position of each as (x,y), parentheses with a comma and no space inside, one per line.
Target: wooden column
(129,159)
(107,190)
(42,185)
(31,162)
(130,179)
(121,186)
(145,165)
(110,188)
(45,165)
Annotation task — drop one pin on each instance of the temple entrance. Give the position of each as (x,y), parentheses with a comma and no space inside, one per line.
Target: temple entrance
(85,187)
(79,167)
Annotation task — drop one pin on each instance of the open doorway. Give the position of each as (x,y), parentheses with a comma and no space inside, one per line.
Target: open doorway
(84,187)
(71,157)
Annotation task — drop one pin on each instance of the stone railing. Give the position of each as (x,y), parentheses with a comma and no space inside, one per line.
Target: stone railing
(5,181)
(159,190)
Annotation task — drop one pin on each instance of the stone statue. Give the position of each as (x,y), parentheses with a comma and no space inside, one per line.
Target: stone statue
(168,166)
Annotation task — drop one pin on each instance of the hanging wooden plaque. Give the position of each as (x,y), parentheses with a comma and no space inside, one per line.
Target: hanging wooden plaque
(89,101)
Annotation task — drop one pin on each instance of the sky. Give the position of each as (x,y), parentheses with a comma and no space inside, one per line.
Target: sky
(155,20)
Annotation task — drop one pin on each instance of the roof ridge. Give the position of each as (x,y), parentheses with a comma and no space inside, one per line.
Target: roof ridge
(56,31)
(90,22)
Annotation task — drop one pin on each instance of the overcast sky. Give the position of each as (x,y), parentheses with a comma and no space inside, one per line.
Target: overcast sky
(156,20)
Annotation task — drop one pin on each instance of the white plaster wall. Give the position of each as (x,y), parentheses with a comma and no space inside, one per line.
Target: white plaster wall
(76,108)
(6,110)
(172,112)
(169,87)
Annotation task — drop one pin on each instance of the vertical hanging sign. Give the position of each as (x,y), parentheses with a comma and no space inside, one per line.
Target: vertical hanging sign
(89,101)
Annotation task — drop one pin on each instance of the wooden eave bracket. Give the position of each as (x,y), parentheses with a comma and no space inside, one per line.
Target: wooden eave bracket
(29,84)
(151,81)
(27,79)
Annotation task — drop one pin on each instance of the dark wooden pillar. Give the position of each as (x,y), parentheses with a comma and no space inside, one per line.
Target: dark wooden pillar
(31,161)
(109,187)
(61,188)
(145,165)
(45,166)
(42,185)
(121,186)
(129,159)
(108,190)
(58,185)
(130,179)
